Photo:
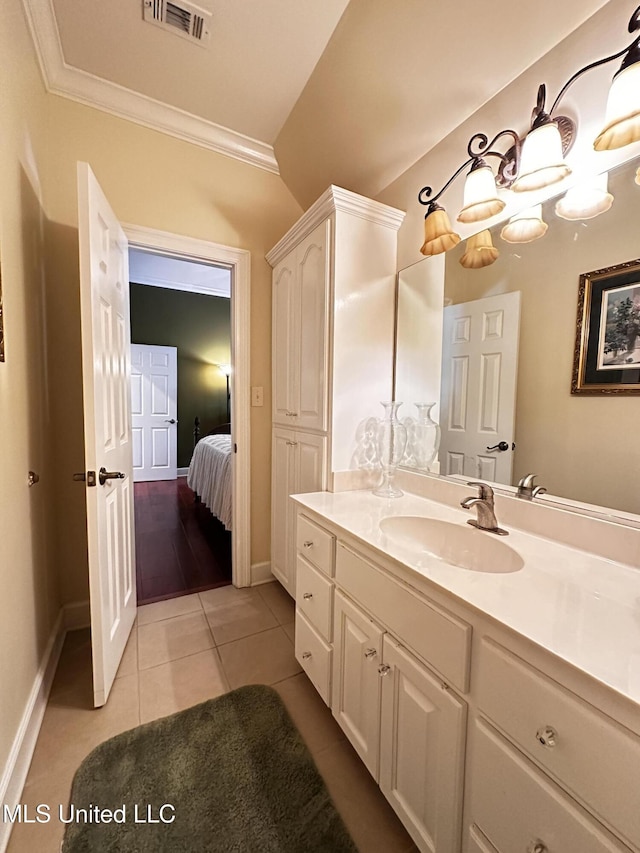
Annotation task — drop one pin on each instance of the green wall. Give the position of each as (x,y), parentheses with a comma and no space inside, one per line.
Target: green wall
(200,327)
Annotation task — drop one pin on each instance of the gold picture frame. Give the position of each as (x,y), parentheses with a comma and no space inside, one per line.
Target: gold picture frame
(607,350)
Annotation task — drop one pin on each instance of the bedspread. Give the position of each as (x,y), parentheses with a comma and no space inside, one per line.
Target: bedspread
(210,475)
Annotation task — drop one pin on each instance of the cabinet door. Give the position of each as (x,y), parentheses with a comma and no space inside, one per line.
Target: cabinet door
(356,681)
(312,269)
(283,470)
(311,463)
(421,750)
(285,331)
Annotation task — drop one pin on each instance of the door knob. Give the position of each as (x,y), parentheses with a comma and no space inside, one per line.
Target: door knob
(170,421)
(104,475)
(501,446)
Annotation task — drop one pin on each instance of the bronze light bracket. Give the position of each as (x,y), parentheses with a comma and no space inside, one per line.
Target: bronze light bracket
(509,164)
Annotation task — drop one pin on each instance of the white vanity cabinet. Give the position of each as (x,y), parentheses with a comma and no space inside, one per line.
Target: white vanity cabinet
(333,294)
(405,722)
(481,740)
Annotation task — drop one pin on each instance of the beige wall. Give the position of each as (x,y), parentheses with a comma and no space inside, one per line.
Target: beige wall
(29,601)
(159,182)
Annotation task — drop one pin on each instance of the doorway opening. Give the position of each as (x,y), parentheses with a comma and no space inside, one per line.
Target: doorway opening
(185,541)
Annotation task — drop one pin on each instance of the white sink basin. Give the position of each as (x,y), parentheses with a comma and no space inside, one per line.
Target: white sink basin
(457,544)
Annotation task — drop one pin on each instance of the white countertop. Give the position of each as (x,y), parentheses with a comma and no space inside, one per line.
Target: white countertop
(583,608)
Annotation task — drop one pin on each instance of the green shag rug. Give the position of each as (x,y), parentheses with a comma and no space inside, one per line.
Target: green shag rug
(233,774)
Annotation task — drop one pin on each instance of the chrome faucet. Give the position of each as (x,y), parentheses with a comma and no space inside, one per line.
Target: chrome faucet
(526,490)
(486,514)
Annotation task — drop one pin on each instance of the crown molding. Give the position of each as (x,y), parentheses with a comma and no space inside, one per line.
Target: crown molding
(69,82)
(335,199)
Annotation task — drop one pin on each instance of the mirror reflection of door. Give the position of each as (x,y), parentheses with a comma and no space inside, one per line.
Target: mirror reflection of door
(478,396)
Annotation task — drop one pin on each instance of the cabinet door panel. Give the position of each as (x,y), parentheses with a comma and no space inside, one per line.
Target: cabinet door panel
(311,452)
(285,332)
(283,461)
(356,691)
(312,269)
(421,750)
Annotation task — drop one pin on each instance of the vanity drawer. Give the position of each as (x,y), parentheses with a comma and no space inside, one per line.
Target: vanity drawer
(314,597)
(438,637)
(517,807)
(316,544)
(593,757)
(314,656)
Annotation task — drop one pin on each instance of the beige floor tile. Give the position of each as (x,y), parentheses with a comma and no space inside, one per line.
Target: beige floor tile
(172,639)
(313,719)
(237,615)
(129,662)
(177,685)
(279,600)
(369,818)
(260,659)
(290,631)
(166,609)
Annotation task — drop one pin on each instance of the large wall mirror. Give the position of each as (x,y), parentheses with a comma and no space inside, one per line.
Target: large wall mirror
(583,447)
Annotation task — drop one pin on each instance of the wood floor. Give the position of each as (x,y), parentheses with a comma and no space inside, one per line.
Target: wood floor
(180,547)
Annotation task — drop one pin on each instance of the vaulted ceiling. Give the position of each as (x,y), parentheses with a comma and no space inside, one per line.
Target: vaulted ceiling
(351,92)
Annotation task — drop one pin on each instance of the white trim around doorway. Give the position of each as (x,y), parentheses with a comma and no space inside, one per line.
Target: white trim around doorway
(239,262)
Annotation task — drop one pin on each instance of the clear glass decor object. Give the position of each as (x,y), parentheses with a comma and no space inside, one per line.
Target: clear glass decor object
(391,442)
(426,437)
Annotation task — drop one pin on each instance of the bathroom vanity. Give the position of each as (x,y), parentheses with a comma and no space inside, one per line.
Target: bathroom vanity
(491,686)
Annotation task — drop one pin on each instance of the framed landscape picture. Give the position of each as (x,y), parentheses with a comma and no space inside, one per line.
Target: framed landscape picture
(607,351)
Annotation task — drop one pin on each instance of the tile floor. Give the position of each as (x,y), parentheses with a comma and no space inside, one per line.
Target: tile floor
(183,651)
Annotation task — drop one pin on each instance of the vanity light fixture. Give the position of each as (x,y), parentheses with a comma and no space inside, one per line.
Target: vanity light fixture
(586,200)
(525,227)
(537,160)
(479,251)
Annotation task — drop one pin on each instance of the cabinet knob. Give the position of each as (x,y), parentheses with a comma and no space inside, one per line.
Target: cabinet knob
(547,736)
(292,443)
(307,596)
(306,655)
(307,544)
(537,847)
(383,669)
(370,653)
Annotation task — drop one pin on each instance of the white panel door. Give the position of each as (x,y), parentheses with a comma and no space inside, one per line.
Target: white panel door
(357,654)
(421,750)
(154,406)
(104,298)
(479,372)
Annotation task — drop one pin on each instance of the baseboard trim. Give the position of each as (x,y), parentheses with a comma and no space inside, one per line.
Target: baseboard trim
(15,772)
(261,573)
(76,615)
(182,472)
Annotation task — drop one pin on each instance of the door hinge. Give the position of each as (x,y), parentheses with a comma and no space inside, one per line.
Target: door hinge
(235,447)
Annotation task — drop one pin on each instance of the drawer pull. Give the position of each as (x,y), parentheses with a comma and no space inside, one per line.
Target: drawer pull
(547,737)
(537,847)
(307,544)
(307,596)
(383,669)
(306,655)
(371,653)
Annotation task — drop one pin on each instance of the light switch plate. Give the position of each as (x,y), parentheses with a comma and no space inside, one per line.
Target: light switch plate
(257,395)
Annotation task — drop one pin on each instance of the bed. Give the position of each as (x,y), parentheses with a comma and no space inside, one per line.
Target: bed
(210,473)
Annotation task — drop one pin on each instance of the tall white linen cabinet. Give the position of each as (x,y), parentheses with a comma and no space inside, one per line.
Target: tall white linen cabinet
(332,349)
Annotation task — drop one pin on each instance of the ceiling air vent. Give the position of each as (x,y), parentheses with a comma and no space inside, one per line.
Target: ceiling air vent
(182,19)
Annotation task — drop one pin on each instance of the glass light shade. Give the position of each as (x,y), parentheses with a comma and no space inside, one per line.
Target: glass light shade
(622,121)
(480,196)
(438,235)
(542,161)
(225,368)
(479,252)
(525,226)
(586,200)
